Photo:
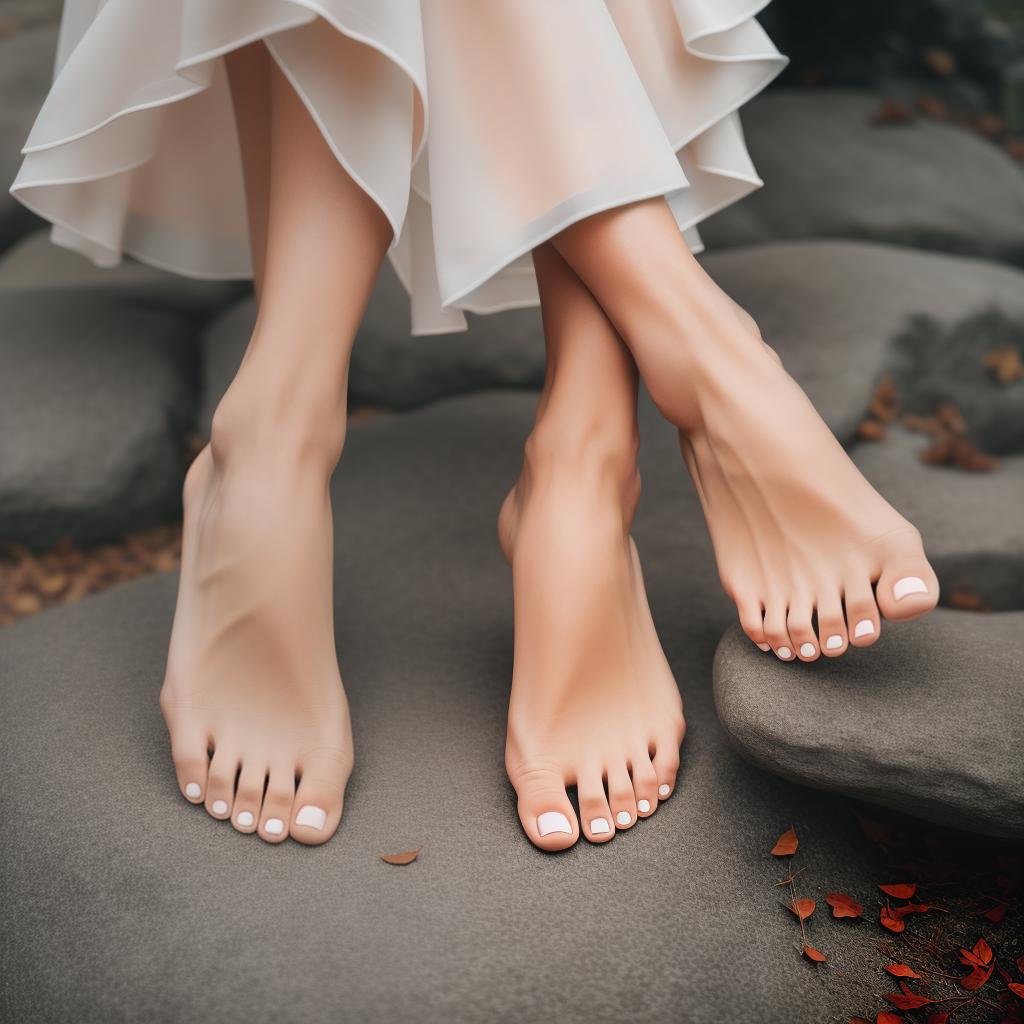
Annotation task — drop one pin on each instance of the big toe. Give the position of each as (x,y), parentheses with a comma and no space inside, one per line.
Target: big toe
(316,811)
(544,808)
(907,587)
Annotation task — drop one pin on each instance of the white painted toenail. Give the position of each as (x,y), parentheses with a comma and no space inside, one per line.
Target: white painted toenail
(643,806)
(664,789)
(784,653)
(864,628)
(245,819)
(219,807)
(623,817)
(807,650)
(553,821)
(765,647)
(908,585)
(193,791)
(834,642)
(274,826)
(314,817)
(600,827)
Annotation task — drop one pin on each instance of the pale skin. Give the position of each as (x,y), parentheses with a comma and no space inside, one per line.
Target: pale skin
(253,697)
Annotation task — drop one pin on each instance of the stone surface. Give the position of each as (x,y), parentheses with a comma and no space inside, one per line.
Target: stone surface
(830,173)
(928,721)
(96,404)
(123,902)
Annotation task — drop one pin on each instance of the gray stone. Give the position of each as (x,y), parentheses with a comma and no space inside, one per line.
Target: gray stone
(830,173)
(97,398)
(928,720)
(26,71)
(834,311)
(122,902)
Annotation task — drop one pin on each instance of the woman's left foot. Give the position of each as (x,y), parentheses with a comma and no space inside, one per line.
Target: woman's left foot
(594,703)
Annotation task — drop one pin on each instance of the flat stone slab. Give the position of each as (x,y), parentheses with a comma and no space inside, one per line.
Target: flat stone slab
(927,721)
(121,901)
(830,173)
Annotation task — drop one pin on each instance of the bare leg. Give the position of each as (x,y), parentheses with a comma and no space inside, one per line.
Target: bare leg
(252,697)
(593,699)
(799,534)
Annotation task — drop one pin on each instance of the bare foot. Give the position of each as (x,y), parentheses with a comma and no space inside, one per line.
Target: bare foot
(807,549)
(253,699)
(594,702)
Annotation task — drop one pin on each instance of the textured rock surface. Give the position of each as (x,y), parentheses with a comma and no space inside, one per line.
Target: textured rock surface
(96,402)
(929,720)
(830,173)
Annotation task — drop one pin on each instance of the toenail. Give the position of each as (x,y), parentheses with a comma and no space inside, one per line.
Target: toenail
(765,647)
(864,628)
(553,821)
(274,826)
(623,817)
(909,585)
(834,642)
(193,791)
(643,806)
(784,653)
(219,807)
(314,817)
(600,827)
(245,819)
(664,789)
(807,650)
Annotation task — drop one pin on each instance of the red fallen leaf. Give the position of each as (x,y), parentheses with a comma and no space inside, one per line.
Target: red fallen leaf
(901,971)
(938,1018)
(814,954)
(890,920)
(803,908)
(997,913)
(1016,988)
(907,1000)
(786,844)
(914,908)
(980,956)
(899,890)
(973,981)
(401,858)
(889,1018)
(843,905)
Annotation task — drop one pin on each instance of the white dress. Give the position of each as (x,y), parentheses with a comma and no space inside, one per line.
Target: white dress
(480,127)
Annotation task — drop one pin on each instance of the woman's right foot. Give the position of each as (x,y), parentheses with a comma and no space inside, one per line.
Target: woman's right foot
(258,719)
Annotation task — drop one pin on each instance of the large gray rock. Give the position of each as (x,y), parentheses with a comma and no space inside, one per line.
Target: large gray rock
(829,172)
(97,398)
(928,720)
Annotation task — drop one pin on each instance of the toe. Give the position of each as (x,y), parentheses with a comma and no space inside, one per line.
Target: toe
(319,798)
(907,587)
(191,763)
(596,819)
(862,621)
(752,620)
(249,796)
(544,807)
(276,813)
(666,764)
(645,784)
(220,786)
(620,795)
(799,623)
(831,624)
(776,631)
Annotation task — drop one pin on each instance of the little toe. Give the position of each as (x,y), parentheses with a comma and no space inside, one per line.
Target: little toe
(249,796)
(776,631)
(544,808)
(801,631)
(645,784)
(191,763)
(320,796)
(907,588)
(831,625)
(666,764)
(596,819)
(276,814)
(220,786)
(620,795)
(862,620)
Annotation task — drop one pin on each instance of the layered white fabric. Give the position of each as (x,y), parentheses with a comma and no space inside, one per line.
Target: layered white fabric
(480,127)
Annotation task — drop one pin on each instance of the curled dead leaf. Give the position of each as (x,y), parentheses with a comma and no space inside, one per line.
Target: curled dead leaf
(786,844)
(803,908)
(815,954)
(899,890)
(401,858)
(901,971)
(843,905)
(889,920)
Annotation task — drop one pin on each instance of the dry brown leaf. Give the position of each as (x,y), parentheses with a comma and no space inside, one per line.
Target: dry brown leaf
(401,858)
(941,61)
(786,844)
(871,430)
(1005,363)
